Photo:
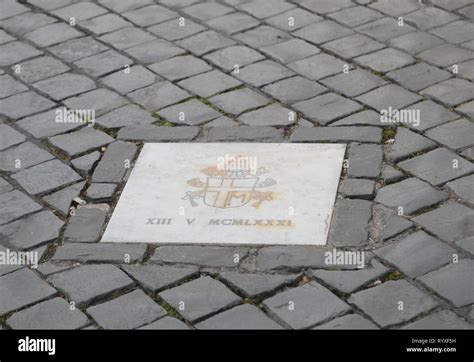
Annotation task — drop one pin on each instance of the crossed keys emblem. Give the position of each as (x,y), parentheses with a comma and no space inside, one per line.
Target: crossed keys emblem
(227,189)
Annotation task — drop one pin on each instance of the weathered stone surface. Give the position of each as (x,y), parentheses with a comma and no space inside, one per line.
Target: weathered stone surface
(418,76)
(192,112)
(77,142)
(291,50)
(253,285)
(101,252)
(157,277)
(202,297)
(45,125)
(262,73)
(31,231)
(381,302)
(10,137)
(154,51)
(436,166)
(450,222)
(272,115)
(4,186)
(245,316)
(61,200)
(89,283)
(113,164)
(323,31)
(410,194)
(417,254)
(245,133)
(128,311)
(151,133)
(393,224)
(101,191)
(65,85)
(45,177)
(76,49)
(415,42)
(171,30)
(358,188)
(355,82)
(384,29)
(364,160)
(51,314)
(389,95)
(125,116)
(166,323)
(307,300)
(293,89)
(22,156)
(180,67)
(101,100)
(85,225)
(318,66)
(327,107)
(292,258)
(9,86)
(467,244)
(227,58)
(456,135)
(41,68)
(103,63)
(14,52)
(126,37)
(350,223)
(443,319)
(158,95)
(210,83)
(385,60)
(337,134)
(238,101)
(212,256)
(347,281)
(205,42)
(32,290)
(407,143)
(138,77)
(15,204)
(24,104)
(262,36)
(349,321)
(453,282)
(451,92)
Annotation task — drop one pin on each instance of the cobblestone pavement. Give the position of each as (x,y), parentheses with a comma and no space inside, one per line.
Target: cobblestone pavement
(307,71)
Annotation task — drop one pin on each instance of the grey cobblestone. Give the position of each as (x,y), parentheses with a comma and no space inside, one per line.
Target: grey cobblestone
(381,302)
(217,256)
(101,252)
(347,281)
(245,316)
(33,289)
(87,283)
(128,311)
(417,254)
(410,195)
(201,297)
(31,231)
(51,314)
(452,282)
(306,299)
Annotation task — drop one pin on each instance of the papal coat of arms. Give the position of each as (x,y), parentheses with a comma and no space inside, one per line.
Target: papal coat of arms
(227,189)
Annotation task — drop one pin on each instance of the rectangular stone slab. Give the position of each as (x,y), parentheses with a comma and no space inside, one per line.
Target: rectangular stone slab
(182,193)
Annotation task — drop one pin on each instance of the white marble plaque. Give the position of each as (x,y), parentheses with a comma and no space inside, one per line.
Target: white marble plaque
(229,193)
